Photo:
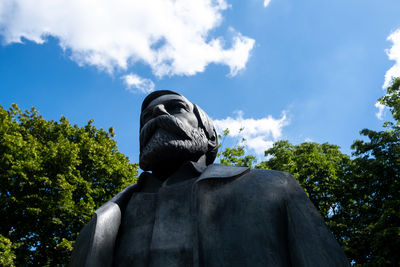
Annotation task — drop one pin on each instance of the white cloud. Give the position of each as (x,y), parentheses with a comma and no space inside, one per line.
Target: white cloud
(393,54)
(133,81)
(260,134)
(266,2)
(381,109)
(172,37)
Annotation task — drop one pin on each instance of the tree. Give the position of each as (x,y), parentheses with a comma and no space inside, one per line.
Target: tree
(52,178)
(375,216)
(375,221)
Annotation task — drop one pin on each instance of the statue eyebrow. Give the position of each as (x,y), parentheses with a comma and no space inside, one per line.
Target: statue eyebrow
(148,109)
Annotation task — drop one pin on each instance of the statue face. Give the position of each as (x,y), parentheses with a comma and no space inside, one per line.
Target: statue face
(170,134)
(174,105)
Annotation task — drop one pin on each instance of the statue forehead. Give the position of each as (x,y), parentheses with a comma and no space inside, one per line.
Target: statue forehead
(167,98)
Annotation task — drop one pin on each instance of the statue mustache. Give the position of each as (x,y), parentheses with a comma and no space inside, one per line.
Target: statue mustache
(168,123)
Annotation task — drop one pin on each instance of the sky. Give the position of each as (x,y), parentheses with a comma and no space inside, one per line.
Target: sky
(303,71)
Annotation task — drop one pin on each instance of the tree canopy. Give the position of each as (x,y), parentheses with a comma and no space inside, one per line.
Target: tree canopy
(53,175)
(374,217)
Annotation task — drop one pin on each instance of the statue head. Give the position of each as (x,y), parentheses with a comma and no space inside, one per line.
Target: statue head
(174,130)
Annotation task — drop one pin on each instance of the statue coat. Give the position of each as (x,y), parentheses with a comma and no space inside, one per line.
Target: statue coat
(241,217)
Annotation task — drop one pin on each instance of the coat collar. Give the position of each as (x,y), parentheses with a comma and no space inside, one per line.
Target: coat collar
(213,171)
(221,171)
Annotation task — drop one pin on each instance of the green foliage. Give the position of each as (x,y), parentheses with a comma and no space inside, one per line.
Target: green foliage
(376,216)
(7,255)
(375,220)
(392,99)
(52,178)
(234,156)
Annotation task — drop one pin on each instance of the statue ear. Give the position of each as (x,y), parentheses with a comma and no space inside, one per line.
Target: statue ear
(212,148)
(213,141)
(206,123)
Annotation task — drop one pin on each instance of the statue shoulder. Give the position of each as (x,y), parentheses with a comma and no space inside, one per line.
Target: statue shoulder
(95,243)
(268,180)
(263,176)
(270,175)
(123,197)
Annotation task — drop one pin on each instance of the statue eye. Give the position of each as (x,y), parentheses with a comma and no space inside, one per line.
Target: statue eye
(177,106)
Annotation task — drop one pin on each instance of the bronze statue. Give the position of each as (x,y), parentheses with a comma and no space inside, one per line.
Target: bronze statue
(190,212)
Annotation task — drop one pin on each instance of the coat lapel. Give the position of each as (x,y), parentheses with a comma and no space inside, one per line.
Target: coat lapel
(213,171)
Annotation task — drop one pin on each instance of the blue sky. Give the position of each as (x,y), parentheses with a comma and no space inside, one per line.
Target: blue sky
(282,69)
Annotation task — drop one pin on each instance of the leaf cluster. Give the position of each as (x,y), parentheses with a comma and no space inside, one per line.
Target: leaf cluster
(235,156)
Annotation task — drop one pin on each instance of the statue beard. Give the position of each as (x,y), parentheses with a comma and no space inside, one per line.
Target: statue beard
(166,143)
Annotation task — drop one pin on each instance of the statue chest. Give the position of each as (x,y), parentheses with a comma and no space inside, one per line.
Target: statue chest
(157,228)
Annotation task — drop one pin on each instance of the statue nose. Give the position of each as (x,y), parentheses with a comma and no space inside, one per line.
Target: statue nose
(160,110)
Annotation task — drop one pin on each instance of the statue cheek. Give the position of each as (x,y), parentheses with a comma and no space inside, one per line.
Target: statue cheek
(190,121)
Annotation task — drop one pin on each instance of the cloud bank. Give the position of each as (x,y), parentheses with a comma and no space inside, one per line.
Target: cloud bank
(260,134)
(172,37)
(393,54)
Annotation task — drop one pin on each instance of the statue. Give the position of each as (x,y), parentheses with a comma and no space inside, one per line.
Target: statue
(190,212)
